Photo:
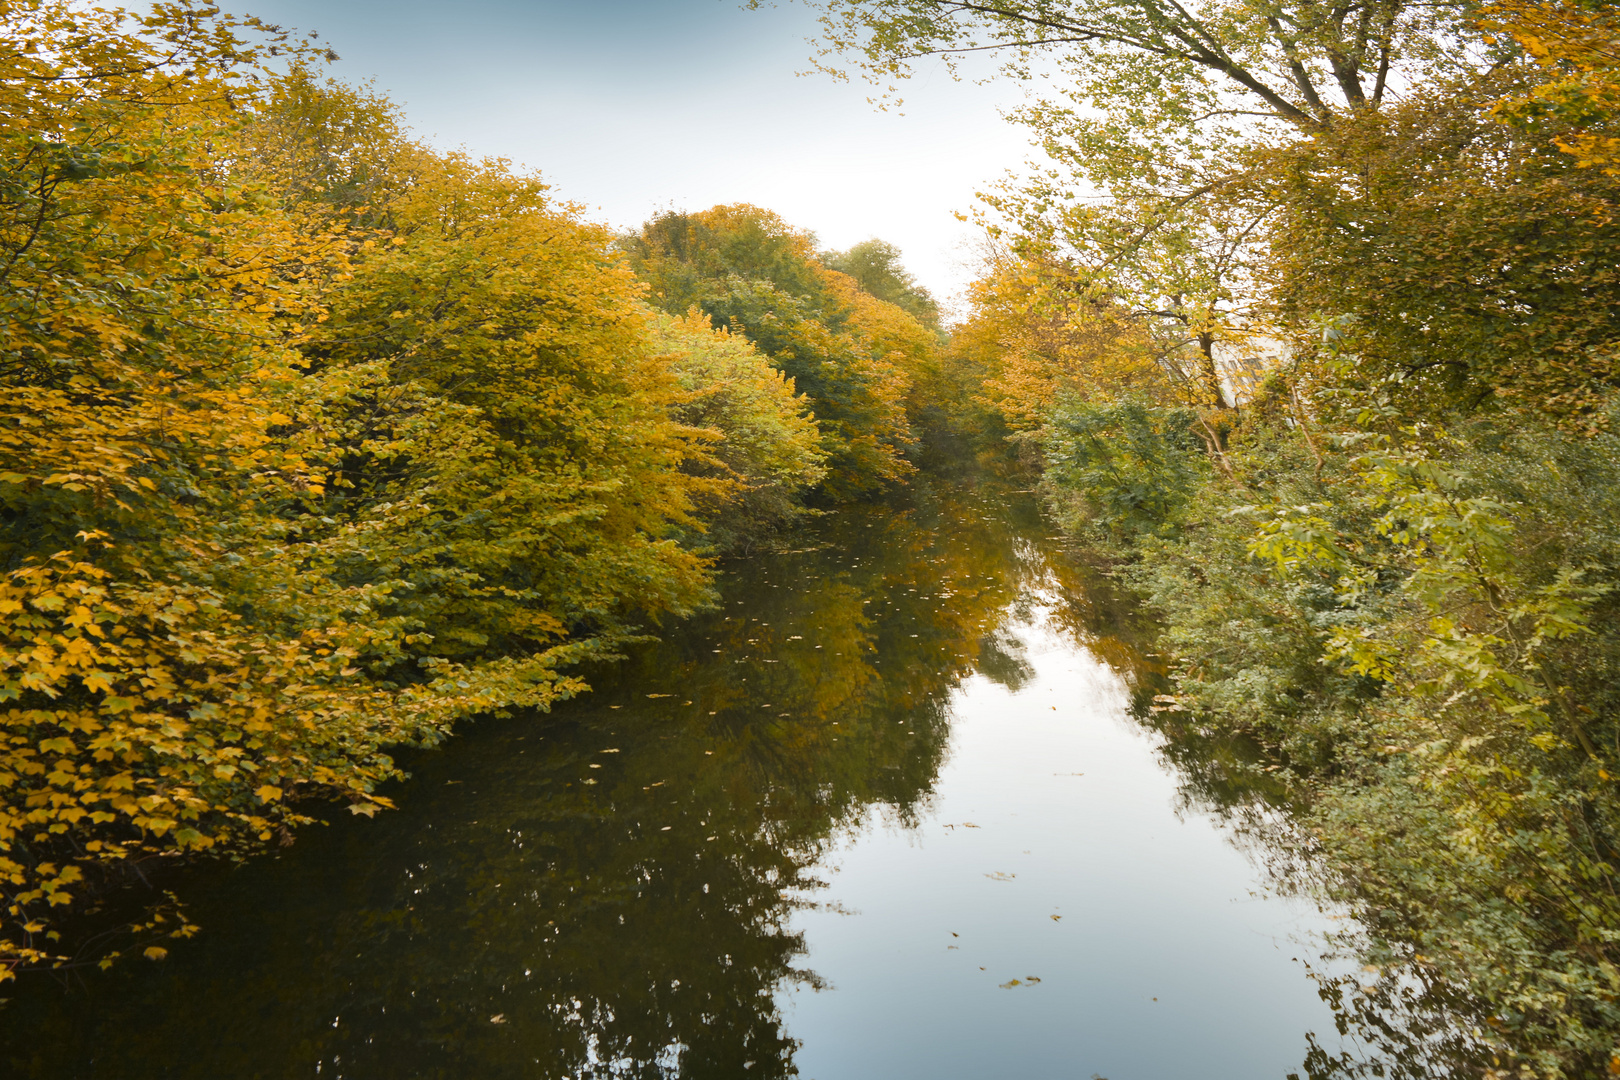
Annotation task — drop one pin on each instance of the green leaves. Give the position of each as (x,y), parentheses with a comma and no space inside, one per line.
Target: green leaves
(316,442)
(1135,467)
(854,357)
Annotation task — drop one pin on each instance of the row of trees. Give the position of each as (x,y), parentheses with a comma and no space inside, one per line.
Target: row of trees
(1313,322)
(314,439)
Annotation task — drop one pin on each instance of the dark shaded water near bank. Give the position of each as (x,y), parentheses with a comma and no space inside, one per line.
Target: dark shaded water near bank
(884,815)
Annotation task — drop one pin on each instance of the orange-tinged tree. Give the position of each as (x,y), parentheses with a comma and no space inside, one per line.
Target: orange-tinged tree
(1577,48)
(767,448)
(1038,334)
(312,441)
(749,270)
(144,377)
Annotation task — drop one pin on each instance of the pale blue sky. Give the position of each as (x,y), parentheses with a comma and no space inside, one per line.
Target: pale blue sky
(630,106)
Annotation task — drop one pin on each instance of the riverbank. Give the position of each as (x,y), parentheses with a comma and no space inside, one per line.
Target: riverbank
(781,795)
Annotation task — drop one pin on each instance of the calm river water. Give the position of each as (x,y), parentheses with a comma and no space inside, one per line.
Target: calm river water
(885,815)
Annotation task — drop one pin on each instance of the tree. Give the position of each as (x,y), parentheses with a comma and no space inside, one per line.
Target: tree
(875,266)
(854,357)
(1154,106)
(1295,62)
(768,447)
(147,370)
(1577,49)
(1461,263)
(313,441)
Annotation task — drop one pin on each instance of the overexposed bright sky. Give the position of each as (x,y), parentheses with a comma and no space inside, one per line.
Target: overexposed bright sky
(634,106)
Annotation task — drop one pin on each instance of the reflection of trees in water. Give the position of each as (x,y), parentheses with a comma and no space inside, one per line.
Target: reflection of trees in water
(630,920)
(599,893)
(1406,1028)
(1399,1023)
(1003,660)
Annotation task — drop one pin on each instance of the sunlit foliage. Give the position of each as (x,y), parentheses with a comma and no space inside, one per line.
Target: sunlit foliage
(856,357)
(1389,562)
(875,266)
(312,441)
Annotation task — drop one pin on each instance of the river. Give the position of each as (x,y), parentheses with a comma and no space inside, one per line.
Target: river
(885,814)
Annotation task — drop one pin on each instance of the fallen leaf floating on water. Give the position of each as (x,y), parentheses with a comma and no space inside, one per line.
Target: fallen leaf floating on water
(609,750)
(498,1018)
(660,695)
(1055,918)
(1001,875)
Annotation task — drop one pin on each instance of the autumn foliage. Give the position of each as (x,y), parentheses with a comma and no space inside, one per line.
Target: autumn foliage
(1310,319)
(314,440)
(858,359)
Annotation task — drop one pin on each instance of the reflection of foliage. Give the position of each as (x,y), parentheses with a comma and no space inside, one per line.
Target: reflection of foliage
(313,440)
(1002,660)
(1408,1027)
(1411,648)
(626,919)
(1388,581)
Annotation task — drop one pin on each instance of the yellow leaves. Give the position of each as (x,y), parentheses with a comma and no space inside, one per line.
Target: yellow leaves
(1579,52)
(155,952)
(510,453)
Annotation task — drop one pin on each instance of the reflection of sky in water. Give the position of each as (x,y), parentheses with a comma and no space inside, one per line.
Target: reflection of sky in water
(1154,956)
(628,887)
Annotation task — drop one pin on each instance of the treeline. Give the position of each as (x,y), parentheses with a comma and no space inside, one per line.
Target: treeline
(315,440)
(1329,372)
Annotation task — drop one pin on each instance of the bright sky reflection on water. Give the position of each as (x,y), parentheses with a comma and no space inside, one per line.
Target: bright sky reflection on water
(1157,955)
(627,887)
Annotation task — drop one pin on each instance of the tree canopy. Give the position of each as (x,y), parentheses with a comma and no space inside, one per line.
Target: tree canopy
(315,440)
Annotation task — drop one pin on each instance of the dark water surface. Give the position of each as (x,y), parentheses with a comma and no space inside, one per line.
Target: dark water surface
(885,815)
